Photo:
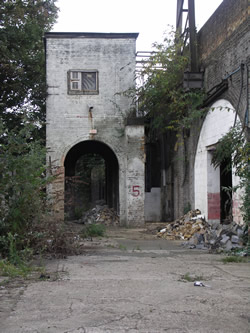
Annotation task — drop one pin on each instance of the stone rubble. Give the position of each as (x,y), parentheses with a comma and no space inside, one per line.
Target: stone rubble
(197,233)
(100,214)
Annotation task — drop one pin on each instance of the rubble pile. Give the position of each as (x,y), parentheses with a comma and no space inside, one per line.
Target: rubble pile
(197,233)
(101,214)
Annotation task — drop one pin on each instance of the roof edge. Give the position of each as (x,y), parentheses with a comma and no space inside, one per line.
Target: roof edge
(90,35)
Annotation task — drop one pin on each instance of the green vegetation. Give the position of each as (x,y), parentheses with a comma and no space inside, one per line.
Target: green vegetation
(93,230)
(189,278)
(22,187)
(187,208)
(162,98)
(122,247)
(22,60)
(26,228)
(234,259)
(234,147)
(23,202)
(10,270)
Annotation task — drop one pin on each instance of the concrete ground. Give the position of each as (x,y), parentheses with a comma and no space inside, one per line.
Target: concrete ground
(131,282)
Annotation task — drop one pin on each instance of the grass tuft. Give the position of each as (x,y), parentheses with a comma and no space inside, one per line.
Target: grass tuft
(11,270)
(235,259)
(93,230)
(189,278)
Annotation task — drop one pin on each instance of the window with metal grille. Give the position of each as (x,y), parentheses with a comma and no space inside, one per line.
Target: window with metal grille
(83,82)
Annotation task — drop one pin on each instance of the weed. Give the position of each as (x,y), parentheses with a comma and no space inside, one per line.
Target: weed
(78,213)
(93,230)
(122,247)
(111,246)
(11,270)
(137,248)
(191,278)
(187,208)
(235,259)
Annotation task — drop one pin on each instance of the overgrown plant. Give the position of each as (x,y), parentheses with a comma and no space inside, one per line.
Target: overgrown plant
(162,97)
(22,186)
(234,147)
(22,60)
(93,230)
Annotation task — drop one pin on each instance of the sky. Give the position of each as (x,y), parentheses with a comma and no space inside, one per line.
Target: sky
(150,18)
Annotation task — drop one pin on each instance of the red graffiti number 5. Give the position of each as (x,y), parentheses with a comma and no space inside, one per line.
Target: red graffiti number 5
(136,191)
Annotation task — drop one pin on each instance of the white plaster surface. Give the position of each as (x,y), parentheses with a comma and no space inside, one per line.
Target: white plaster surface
(217,123)
(68,118)
(153,205)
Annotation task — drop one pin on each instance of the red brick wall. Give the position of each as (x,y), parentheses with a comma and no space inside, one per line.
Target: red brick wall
(213,201)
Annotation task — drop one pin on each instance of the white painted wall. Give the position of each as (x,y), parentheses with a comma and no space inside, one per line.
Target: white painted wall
(217,123)
(135,175)
(153,205)
(68,120)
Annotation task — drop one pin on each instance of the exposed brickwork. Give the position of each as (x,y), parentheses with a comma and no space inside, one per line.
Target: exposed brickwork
(213,200)
(223,45)
(224,24)
(76,118)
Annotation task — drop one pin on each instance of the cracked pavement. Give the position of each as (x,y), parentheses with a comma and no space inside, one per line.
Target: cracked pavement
(131,283)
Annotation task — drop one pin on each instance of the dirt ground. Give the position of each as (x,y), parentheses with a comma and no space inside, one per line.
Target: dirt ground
(132,282)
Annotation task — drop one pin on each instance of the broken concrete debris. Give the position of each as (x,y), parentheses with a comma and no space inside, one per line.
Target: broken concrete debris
(197,233)
(100,214)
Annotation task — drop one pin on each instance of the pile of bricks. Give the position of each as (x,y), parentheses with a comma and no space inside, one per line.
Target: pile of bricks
(101,214)
(185,227)
(197,233)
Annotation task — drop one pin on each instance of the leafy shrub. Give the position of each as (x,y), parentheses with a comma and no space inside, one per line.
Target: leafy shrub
(93,230)
(11,270)
(22,186)
(234,147)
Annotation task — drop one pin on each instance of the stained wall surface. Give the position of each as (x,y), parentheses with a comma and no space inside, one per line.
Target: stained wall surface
(207,178)
(101,116)
(224,57)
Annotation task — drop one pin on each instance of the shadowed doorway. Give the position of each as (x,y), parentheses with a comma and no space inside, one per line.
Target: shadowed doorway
(91,175)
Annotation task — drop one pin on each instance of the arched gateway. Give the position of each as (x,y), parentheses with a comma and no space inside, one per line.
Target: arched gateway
(210,197)
(89,130)
(91,175)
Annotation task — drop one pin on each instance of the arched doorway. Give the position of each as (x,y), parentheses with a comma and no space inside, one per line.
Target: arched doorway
(210,197)
(91,175)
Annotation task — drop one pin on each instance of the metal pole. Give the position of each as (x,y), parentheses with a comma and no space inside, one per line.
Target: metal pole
(192,33)
(179,16)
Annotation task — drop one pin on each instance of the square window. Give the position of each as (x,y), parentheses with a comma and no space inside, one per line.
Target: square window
(75,85)
(74,75)
(89,81)
(83,82)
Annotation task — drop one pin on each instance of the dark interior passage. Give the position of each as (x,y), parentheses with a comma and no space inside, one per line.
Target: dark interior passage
(91,175)
(226,191)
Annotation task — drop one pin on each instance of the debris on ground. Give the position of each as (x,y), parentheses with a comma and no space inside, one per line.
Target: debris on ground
(100,214)
(197,233)
(201,284)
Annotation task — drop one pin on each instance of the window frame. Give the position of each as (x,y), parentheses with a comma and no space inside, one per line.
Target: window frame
(79,80)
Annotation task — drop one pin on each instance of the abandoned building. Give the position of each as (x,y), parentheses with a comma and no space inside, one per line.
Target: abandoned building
(187,178)
(89,121)
(87,75)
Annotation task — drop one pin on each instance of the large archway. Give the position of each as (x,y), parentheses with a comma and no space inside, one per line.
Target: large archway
(209,182)
(91,175)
